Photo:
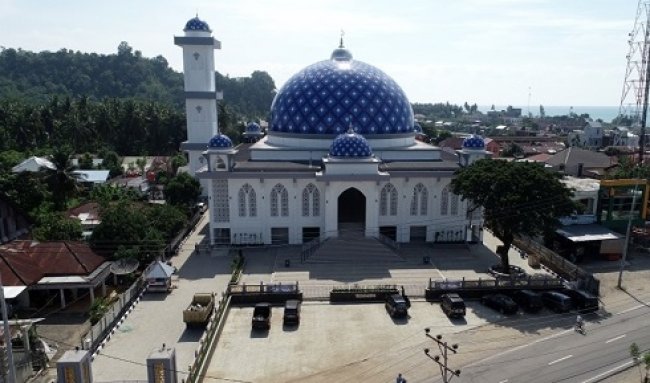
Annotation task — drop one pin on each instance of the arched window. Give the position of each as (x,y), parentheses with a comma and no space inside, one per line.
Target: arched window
(310,196)
(388,200)
(279,201)
(454,204)
(419,200)
(247,201)
(444,201)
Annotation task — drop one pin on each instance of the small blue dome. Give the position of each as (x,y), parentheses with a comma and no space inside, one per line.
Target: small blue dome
(417,128)
(253,127)
(350,145)
(474,142)
(197,24)
(220,141)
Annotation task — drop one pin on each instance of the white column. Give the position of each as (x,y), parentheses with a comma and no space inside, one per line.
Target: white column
(62,298)
(104,288)
(331,211)
(92,295)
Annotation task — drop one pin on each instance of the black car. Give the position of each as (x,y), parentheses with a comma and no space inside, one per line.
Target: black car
(291,312)
(396,306)
(500,302)
(452,305)
(582,300)
(528,300)
(262,316)
(557,301)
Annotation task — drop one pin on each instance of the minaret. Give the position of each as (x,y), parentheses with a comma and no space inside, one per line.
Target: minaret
(200,92)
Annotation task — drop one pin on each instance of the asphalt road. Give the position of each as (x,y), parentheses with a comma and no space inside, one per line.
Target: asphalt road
(568,356)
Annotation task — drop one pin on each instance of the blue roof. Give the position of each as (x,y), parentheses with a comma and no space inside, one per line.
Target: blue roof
(220,141)
(328,96)
(474,142)
(197,24)
(253,127)
(350,145)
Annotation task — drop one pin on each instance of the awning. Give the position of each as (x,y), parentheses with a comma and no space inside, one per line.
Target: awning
(587,233)
(13,291)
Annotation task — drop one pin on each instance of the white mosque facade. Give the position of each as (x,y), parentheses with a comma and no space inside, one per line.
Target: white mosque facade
(340,154)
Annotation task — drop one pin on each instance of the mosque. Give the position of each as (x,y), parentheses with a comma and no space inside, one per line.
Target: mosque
(340,155)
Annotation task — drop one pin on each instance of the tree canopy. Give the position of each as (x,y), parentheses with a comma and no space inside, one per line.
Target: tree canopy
(517,198)
(182,190)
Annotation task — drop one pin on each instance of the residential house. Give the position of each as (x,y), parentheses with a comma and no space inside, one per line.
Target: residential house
(581,162)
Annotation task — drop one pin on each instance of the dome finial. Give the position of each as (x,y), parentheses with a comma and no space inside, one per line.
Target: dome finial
(341,41)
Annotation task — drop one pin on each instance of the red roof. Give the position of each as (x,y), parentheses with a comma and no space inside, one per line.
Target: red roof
(26,262)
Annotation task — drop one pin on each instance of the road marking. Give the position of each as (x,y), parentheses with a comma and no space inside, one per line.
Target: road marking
(520,347)
(630,309)
(616,338)
(559,360)
(504,381)
(597,377)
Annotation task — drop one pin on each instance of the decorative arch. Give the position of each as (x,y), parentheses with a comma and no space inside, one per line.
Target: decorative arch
(247,201)
(388,200)
(419,201)
(310,201)
(279,201)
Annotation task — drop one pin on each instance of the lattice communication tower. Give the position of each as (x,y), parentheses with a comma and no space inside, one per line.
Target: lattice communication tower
(634,99)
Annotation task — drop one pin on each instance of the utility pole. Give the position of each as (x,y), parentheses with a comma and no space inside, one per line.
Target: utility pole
(446,372)
(627,237)
(7,331)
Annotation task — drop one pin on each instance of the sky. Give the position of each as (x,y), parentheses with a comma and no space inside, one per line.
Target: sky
(553,52)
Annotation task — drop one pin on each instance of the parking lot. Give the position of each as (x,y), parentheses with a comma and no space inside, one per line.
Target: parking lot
(347,343)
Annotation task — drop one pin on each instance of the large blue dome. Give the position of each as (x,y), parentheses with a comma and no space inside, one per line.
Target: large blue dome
(326,97)
(220,141)
(197,24)
(350,145)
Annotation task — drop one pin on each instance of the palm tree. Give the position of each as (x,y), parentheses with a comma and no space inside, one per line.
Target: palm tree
(62,181)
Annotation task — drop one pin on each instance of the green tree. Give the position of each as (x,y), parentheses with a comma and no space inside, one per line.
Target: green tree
(62,181)
(141,163)
(167,219)
(86,162)
(123,224)
(517,198)
(513,150)
(55,226)
(182,190)
(178,161)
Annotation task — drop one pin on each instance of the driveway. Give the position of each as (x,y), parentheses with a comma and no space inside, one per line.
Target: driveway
(158,319)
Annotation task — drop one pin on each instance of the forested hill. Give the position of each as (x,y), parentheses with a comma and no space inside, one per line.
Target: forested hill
(36,77)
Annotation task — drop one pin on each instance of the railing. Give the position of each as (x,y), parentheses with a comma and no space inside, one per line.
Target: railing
(491,284)
(559,264)
(309,248)
(387,241)
(261,288)
(98,332)
(208,340)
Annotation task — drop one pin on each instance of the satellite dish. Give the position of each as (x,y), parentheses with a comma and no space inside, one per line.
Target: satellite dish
(124,266)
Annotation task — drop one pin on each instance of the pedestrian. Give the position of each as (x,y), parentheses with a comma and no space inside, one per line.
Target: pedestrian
(400,379)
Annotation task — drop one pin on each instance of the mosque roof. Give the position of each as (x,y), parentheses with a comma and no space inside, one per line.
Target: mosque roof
(328,96)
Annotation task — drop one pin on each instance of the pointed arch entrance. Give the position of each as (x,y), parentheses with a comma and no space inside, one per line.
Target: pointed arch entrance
(352,207)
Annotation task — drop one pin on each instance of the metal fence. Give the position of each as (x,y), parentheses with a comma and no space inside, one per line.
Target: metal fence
(98,332)
(263,288)
(559,264)
(491,284)
(196,370)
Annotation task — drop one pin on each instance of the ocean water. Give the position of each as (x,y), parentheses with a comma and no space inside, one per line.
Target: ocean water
(606,113)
